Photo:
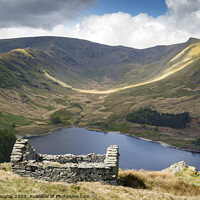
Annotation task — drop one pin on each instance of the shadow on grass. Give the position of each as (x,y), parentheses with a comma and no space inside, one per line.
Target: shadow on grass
(131,181)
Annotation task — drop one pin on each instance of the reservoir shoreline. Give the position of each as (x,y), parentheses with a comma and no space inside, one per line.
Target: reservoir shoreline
(148,140)
(116,132)
(135,153)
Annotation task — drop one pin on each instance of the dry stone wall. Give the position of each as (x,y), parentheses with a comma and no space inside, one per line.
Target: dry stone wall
(66,168)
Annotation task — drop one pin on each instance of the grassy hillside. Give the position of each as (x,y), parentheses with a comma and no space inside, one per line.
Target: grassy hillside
(87,66)
(95,85)
(177,93)
(134,185)
(83,64)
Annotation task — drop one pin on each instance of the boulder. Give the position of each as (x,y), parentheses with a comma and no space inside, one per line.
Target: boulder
(179,167)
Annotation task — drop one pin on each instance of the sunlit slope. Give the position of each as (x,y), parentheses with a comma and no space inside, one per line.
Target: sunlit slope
(19,67)
(23,51)
(177,63)
(90,66)
(183,59)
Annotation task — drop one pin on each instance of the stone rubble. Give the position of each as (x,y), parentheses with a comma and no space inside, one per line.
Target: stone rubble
(66,168)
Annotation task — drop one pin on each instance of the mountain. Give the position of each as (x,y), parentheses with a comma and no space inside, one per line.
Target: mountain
(83,64)
(45,80)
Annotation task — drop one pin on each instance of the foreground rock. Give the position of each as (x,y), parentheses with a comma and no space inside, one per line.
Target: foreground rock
(179,167)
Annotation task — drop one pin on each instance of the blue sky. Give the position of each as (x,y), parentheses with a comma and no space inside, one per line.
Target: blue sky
(153,8)
(132,23)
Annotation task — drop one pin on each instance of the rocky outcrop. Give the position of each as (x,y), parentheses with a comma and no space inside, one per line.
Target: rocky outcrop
(66,168)
(179,167)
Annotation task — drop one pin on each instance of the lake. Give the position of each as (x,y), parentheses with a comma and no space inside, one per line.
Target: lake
(134,153)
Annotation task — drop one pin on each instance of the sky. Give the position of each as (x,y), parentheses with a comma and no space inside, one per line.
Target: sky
(132,23)
(133,7)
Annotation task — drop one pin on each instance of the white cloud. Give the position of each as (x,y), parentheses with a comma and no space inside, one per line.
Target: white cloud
(185,14)
(180,22)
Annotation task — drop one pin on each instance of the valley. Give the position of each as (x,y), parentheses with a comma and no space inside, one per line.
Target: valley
(179,62)
(96,86)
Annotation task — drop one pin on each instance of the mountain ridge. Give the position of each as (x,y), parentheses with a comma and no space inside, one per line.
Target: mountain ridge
(20,39)
(184,63)
(82,62)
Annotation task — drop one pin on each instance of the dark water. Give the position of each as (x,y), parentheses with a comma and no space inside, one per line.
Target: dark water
(134,153)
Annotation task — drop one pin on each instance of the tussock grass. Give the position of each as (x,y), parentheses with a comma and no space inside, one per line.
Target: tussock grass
(158,181)
(5,166)
(189,176)
(12,184)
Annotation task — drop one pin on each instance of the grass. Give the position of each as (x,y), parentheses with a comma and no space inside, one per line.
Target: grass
(49,108)
(5,166)
(60,101)
(144,185)
(189,176)
(159,181)
(8,119)
(110,126)
(76,105)
(27,188)
(24,51)
(64,116)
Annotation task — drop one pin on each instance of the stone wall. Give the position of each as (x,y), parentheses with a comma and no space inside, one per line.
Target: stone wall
(66,168)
